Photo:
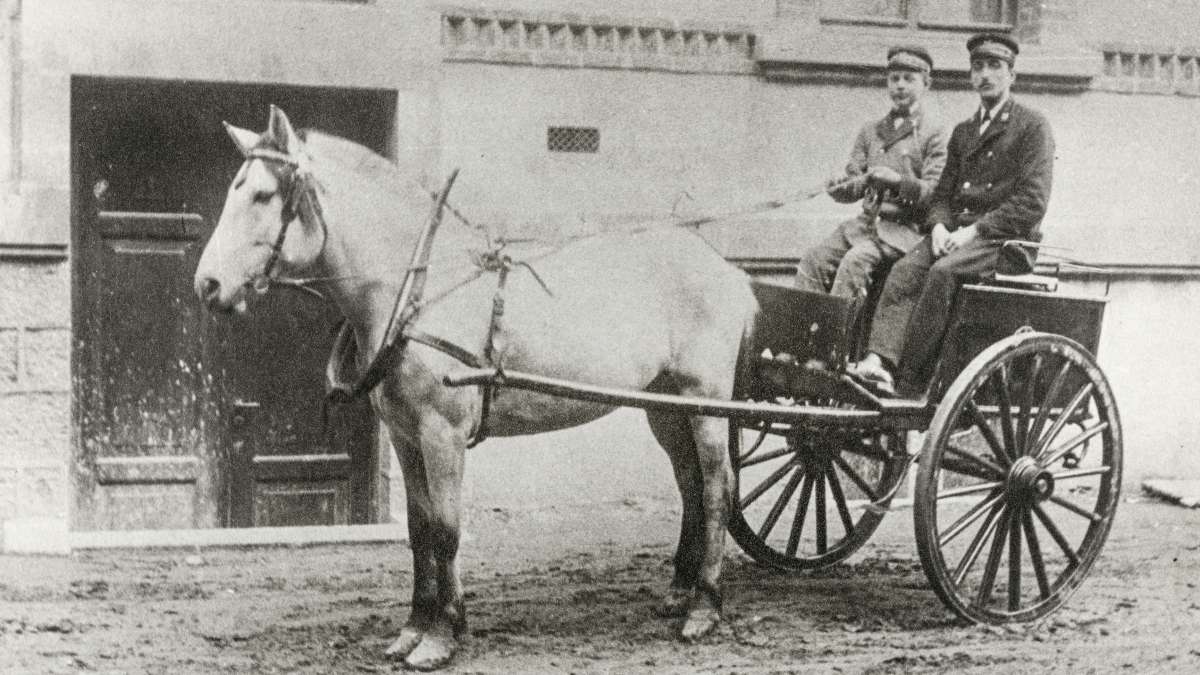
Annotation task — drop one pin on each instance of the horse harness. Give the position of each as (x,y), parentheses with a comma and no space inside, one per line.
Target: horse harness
(298,190)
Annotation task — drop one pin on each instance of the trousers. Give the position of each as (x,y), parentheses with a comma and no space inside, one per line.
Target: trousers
(914,308)
(842,263)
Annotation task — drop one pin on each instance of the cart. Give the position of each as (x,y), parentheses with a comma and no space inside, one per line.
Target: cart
(1019,472)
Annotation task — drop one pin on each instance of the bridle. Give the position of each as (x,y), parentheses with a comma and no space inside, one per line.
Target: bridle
(298,189)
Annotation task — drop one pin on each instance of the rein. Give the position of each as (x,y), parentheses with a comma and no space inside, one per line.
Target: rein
(298,189)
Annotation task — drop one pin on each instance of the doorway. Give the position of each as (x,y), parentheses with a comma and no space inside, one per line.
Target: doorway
(185,419)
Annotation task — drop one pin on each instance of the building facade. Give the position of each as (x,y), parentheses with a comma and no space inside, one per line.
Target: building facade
(124,407)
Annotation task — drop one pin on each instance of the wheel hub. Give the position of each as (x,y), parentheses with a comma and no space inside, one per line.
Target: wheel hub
(1028,480)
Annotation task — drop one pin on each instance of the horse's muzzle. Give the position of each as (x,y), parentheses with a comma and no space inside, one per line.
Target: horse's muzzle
(208,290)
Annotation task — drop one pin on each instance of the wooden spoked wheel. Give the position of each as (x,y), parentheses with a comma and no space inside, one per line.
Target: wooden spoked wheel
(1019,479)
(802,495)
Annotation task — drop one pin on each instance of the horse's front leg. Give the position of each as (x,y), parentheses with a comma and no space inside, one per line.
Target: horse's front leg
(433,470)
(425,586)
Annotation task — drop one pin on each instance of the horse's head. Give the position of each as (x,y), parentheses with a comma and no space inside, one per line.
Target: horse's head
(271,219)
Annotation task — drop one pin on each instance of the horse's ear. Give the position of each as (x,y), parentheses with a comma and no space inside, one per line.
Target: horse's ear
(243,138)
(281,132)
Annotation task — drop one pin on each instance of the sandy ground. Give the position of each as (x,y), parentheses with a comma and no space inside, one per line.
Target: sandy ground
(571,589)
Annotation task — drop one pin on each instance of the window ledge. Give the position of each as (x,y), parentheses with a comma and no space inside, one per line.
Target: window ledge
(850,57)
(33,252)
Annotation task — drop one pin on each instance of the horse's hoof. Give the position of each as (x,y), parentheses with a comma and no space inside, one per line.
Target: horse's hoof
(700,622)
(433,652)
(403,645)
(675,605)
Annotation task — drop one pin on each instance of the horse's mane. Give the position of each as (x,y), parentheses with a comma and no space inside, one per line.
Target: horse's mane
(360,160)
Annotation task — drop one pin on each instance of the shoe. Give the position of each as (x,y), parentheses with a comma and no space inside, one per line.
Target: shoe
(876,378)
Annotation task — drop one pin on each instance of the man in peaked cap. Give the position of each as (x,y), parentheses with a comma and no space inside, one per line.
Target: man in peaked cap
(894,165)
(995,188)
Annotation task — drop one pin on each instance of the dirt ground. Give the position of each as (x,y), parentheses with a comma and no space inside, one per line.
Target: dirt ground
(571,589)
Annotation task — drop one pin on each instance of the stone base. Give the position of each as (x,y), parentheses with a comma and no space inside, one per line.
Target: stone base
(35,535)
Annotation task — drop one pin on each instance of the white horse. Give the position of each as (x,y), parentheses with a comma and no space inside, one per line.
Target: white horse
(656,310)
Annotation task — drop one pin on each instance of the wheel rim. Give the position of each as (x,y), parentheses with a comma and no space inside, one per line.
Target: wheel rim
(801,495)
(1019,480)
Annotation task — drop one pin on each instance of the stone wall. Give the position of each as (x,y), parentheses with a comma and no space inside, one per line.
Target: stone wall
(35,399)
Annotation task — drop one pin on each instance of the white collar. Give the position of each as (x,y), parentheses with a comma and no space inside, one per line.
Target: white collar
(995,110)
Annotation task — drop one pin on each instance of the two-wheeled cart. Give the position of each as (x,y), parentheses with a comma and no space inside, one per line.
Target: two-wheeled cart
(1019,472)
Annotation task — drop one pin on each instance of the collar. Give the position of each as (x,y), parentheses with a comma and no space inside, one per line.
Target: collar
(994,111)
(913,112)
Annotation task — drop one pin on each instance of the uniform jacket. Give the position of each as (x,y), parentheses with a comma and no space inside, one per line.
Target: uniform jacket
(1000,181)
(917,151)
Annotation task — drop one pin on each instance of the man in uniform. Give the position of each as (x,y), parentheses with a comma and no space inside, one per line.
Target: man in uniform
(995,187)
(893,168)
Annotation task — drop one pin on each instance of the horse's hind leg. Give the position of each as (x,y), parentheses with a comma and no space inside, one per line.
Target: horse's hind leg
(674,433)
(697,448)
(706,371)
(709,435)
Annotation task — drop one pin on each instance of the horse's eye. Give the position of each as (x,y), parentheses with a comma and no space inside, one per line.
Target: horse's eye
(263,197)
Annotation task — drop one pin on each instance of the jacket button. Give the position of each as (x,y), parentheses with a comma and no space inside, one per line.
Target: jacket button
(990,153)
(989,186)
(967,185)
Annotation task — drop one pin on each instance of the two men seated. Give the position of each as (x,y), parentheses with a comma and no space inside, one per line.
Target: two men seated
(939,206)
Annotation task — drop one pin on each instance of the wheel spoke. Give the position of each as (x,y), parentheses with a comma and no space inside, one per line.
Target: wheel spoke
(989,435)
(976,546)
(1076,509)
(969,490)
(1035,555)
(967,518)
(761,431)
(993,562)
(1014,560)
(1043,413)
(780,503)
(765,457)
(1056,535)
(798,518)
(1004,405)
(839,500)
(1027,405)
(1052,456)
(767,484)
(855,478)
(1081,473)
(1076,400)
(973,465)
(822,525)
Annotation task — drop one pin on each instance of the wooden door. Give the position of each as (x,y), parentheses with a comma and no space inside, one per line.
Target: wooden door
(141,391)
(186,419)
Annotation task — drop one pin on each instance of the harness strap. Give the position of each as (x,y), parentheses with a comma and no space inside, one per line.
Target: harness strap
(443,345)
(490,356)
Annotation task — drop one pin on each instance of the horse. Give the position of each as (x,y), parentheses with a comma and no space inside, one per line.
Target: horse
(654,309)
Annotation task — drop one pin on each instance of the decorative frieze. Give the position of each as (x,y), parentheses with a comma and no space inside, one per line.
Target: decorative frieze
(1139,70)
(569,40)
